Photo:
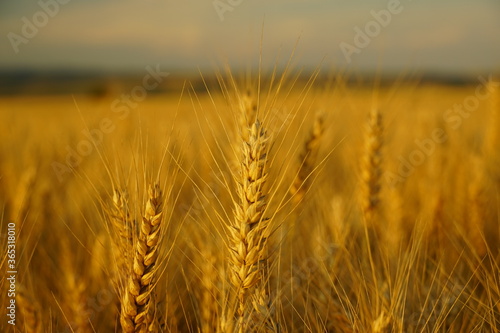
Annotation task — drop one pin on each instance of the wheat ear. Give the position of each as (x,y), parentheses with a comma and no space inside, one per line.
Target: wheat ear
(307,160)
(371,169)
(248,231)
(120,221)
(138,305)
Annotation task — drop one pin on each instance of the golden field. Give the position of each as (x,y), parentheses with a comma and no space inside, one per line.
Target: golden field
(281,207)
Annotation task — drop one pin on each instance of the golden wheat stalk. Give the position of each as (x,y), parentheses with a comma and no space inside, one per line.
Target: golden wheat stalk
(307,160)
(371,169)
(138,304)
(249,230)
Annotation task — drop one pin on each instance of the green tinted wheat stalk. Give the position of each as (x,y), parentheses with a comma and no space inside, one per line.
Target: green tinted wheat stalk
(138,304)
(249,230)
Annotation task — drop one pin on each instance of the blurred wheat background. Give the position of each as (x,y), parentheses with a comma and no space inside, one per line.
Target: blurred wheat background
(269,206)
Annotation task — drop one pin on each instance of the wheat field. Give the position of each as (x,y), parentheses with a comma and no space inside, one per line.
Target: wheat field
(272,205)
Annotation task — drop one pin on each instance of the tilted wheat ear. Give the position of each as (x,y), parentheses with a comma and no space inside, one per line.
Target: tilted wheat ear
(138,304)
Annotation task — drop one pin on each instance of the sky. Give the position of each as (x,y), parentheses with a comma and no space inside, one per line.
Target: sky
(446,36)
